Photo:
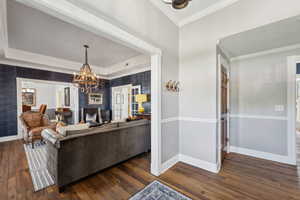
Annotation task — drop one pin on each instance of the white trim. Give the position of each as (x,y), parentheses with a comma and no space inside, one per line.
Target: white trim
(291,109)
(53,62)
(10,138)
(119,89)
(212,167)
(263,155)
(66,71)
(171,119)
(156,61)
(169,163)
(129,64)
(19,106)
(127,72)
(3,27)
(267,52)
(219,112)
(208,11)
(258,117)
(190,119)
(32,66)
(196,119)
(73,14)
(198,15)
(208,166)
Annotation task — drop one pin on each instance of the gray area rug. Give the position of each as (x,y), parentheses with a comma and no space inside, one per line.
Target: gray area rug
(37,165)
(158,191)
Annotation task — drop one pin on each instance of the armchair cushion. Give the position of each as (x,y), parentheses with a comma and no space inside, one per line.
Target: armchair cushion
(36,132)
(33,119)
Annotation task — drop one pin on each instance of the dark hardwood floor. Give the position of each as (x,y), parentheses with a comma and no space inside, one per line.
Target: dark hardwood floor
(241,178)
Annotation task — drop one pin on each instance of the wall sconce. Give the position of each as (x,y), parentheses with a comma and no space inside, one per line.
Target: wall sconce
(172,86)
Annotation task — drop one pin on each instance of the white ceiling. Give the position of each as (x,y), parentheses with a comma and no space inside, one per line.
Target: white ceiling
(280,34)
(195,10)
(34,31)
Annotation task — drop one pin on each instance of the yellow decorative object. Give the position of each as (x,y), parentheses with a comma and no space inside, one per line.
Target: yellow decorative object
(141,98)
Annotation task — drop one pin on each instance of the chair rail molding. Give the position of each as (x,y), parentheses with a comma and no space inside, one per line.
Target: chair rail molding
(284,118)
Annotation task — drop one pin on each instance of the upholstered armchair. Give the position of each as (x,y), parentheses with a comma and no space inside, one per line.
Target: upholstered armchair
(33,123)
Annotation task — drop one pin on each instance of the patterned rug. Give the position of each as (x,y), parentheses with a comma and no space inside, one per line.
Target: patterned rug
(37,165)
(158,191)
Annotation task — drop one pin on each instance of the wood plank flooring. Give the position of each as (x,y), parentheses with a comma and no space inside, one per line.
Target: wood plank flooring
(242,178)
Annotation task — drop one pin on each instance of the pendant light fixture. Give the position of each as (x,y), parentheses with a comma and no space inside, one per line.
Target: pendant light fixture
(85,79)
(177,4)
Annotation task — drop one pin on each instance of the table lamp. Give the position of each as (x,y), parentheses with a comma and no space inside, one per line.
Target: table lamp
(141,98)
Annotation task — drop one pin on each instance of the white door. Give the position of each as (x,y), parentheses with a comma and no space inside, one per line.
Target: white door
(121,101)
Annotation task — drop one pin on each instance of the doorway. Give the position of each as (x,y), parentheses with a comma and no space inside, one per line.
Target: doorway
(297,114)
(224,112)
(102,27)
(223,103)
(121,101)
(50,93)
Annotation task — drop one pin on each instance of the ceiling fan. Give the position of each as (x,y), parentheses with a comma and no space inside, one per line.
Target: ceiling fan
(177,4)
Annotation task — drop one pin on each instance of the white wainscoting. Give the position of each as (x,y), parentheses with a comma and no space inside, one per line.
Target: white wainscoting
(262,155)
(212,167)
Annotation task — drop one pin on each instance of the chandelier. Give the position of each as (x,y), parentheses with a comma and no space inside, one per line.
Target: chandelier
(177,4)
(85,79)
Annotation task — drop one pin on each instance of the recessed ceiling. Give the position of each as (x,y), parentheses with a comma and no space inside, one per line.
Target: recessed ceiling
(34,31)
(195,10)
(276,35)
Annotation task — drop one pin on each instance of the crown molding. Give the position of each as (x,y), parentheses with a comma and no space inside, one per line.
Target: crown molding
(198,15)
(27,59)
(210,10)
(267,52)
(12,54)
(166,12)
(129,72)
(140,60)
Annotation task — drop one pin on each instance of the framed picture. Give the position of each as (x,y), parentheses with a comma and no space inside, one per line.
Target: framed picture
(67,96)
(95,98)
(29,97)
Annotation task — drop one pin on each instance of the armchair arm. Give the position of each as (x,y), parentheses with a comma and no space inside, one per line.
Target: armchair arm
(25,128)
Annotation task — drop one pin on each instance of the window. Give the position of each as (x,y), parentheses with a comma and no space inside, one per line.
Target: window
(134,105)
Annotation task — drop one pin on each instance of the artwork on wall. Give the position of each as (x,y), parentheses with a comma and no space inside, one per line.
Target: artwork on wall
(95,98)
(29,97)
(67,96)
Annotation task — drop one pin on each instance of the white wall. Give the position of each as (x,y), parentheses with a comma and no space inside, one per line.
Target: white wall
(198,66)
(45,94)
(258,84)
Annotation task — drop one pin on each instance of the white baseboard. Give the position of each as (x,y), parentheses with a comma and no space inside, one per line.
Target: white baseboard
(189,160)
(212,167)
(263,155)
(169,163)
(10,138)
